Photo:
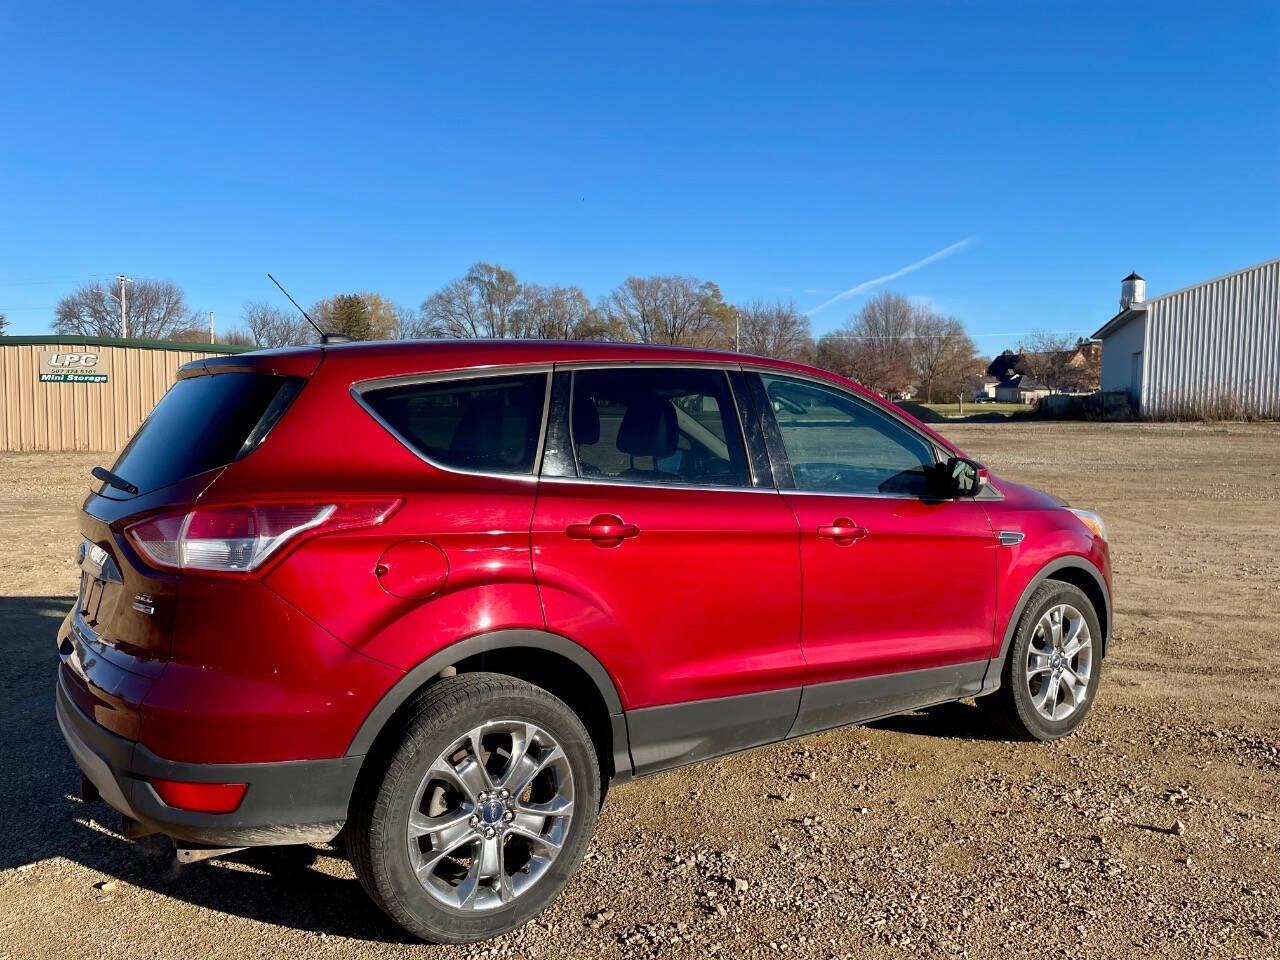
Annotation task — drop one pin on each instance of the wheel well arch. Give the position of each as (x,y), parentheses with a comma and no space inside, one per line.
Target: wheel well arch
(1092,588)
(558,665)
(1076,571)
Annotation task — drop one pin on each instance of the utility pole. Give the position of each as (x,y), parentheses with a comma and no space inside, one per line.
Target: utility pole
(124,314)
(212,339)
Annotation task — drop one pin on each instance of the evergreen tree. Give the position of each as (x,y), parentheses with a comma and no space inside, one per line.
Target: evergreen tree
(349,315)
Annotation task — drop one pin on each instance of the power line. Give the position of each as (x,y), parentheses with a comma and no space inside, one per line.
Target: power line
(45,283)
(948,336)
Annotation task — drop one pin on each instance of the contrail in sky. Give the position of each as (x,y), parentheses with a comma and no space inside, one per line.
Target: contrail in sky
(903,271)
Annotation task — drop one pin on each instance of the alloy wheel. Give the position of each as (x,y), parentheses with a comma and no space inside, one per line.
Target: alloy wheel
(491,815)
(1059,662)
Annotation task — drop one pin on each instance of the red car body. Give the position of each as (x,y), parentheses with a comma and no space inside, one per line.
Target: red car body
(681,621)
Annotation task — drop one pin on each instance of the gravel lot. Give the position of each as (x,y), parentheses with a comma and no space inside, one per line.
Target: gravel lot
(1153,831)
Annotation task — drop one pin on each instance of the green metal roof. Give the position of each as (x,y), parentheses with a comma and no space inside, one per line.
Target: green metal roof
(59,340)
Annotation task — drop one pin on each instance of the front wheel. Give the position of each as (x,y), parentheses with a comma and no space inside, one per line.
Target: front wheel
(481,811)
(1051,672)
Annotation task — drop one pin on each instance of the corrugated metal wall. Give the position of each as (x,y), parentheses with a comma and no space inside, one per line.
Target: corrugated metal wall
(81,416)
(1214,349)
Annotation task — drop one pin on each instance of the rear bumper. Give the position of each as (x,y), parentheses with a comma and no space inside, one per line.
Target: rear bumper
(299,801)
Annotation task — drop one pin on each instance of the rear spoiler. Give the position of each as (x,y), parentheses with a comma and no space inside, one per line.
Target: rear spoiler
(287,362)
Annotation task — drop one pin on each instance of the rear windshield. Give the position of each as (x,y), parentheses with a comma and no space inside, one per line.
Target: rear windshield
(202,423)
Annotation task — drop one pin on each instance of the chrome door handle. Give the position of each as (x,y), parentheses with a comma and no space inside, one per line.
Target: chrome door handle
(843,531)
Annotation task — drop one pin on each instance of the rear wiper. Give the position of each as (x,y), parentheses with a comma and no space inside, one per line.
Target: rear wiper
(113,480)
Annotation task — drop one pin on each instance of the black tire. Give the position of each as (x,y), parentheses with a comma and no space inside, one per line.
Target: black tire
(376,832)
(1012,704)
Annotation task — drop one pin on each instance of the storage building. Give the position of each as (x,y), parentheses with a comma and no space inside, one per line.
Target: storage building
(1212,349)
(85,393)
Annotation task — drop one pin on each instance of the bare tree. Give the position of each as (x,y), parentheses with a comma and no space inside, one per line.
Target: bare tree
(836,353)
(942,354)
(4,324)
(272,326)
(484,303)
(407,322)
(237,338)
(669,309)
(560,313)
(774,329)
(876,347)
(156,310)
(452,311)
(1047,357)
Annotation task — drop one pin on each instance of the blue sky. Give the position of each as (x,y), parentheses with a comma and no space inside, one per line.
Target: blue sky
(792,151)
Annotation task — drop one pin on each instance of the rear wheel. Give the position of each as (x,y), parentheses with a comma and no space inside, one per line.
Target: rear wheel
(1053,665)
(480,811)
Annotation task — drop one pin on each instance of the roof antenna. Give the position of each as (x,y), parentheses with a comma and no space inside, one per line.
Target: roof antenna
(324,337)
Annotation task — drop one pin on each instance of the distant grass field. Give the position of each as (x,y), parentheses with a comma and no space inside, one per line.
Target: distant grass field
(973,409)
(952,409)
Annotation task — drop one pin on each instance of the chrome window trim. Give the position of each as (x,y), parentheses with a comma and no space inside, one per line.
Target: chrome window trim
(453,373)
(601,482)
(641,364)
(869,496)
(359,388)
(572,367)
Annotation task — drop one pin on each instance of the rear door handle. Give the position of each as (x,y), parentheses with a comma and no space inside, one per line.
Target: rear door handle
(605,530)
(843,531)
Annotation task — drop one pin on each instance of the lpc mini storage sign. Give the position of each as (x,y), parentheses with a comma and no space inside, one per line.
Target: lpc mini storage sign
(66,367)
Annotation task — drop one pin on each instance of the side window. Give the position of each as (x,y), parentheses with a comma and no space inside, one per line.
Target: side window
(657,426)
(839,444)
(488,424)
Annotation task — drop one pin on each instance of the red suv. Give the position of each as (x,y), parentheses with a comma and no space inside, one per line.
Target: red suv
(437,596)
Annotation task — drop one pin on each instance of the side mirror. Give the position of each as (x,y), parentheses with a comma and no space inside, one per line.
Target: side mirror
(963,478)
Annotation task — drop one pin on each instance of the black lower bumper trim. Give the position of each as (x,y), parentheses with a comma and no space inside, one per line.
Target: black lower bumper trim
(297,801)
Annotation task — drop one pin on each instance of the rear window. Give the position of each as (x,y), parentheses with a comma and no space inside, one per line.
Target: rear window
(202,423)
(485,424)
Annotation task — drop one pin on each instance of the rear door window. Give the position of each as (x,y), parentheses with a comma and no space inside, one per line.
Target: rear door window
(479,424)
(202,423)
(660,425)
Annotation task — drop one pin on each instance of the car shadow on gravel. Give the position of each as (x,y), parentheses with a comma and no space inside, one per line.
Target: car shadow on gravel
(45,820)
(957,720)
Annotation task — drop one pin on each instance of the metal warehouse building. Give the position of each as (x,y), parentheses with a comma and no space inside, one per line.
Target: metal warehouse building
(1212,349)
(85,393)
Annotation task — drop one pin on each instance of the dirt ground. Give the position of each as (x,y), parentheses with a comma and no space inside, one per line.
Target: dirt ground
(1151,832)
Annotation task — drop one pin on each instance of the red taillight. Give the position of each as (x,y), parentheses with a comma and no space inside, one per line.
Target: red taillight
(239,538)
(201,797)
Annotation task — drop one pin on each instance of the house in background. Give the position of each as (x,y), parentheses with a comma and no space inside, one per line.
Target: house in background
(982,385)
(1007,365)
(1037,374)
(1021,388)
(1084,362)
(1212,349)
